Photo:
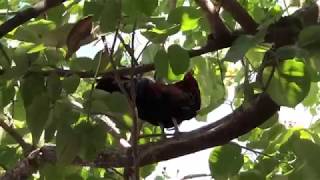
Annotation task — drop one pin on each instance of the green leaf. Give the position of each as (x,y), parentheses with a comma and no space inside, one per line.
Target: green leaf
(218,158)
(68,144)
(161,63)
(289,84)
(308,151)
(54,86)
(64,114)
(178,59)
(86,132)
(71,83)
(9,156)
(7,94)
(19,109)
(34,31)
(149,53)
(53,56)
(188,17)
(313,93)
(31,86)
(256,54)
(106,102)
(147,170)
(117,102)
(37,115)
(266,165)
(212,92)
(160,34)
(110,16)
(313,65)
(82,64)
(290,52)
(54,14)
(93,8)
(251,175)
(135,8)
(309,37)
(240,47)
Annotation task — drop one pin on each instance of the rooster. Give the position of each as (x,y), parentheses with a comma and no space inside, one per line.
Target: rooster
(164,105)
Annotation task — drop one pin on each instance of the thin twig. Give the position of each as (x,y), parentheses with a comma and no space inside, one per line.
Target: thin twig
(191,176)
(144,48)
(252,150)
(128,48)
(92,87)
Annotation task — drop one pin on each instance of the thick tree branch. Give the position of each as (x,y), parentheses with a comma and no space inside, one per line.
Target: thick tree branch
(218,28)
(241,121)
(27,14)
(240,15)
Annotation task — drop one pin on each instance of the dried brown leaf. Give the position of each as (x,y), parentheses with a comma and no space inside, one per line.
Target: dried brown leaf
(80,31)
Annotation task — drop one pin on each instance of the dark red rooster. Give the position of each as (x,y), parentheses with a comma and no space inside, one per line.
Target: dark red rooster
(160,104)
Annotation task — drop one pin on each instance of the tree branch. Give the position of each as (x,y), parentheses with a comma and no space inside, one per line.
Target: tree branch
(241,121)
(27,14)
(240,15)
(15,135)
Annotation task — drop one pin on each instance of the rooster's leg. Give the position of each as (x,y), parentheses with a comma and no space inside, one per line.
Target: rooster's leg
(176,126)
(164,136)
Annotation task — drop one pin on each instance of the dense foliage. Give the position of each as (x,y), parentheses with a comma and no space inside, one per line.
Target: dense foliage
(48,99)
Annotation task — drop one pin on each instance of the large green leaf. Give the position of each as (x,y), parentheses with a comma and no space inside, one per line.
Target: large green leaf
(68,143)
(187,17)
(309,37)
(161,33)
(34,31)
(54,86)
(87,131)
(9,156)
(110,15)
(136,8)
(240,47)
(31,86)
(7,94)
(37,115)
(93,8)
(161,63)
(71,83)
(289,84)
(218,158)
(212,92)
(178,59)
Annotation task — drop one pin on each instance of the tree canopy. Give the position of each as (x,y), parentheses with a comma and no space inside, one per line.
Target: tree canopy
(56,125)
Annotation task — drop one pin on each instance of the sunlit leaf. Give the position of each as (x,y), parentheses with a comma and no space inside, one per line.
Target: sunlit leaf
(187,17)
(218,158)
(289,84)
